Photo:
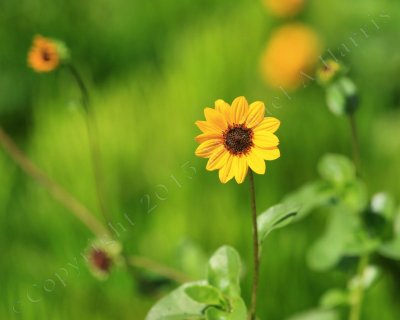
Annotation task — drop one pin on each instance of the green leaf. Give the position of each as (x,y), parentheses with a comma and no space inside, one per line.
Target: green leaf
(336,169)
(391,249)
(360,242)
(342,97)
(336,99)
(224,271)
(238,309)
(177,305)
(317,314)
(329,249)
(216,314)
(275,217)
(310,197)
(384,205)
(354,196)
(334,298)
(206,294)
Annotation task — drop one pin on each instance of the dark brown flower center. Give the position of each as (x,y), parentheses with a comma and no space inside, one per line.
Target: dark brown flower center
(100,260)
(46,56)
(238,139)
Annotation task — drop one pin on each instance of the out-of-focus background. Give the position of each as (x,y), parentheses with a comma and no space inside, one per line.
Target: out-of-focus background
(152,66)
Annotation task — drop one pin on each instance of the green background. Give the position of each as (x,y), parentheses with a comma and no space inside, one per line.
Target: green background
(152,66)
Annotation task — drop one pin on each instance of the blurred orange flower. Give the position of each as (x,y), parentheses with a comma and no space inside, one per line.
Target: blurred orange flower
(236,137)
(284,8)
(43,56)
(292,50)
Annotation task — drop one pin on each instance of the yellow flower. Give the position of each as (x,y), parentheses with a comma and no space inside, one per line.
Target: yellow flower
(44,55)
(237,137)
(328,71)
(291,53)
(284,8)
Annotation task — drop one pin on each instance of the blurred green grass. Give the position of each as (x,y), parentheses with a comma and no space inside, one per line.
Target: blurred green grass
(152,68)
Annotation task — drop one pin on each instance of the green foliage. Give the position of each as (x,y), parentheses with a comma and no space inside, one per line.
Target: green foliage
(177,305)
(342,97)
(336,169)
(137,83)
(205,294)
(329,249)
(310,197)
(224,271)
(275,217)
(391,249)
(334,298)
(216,298)
(317,314)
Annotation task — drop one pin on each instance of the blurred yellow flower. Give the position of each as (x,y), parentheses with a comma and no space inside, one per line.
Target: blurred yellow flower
(284,8)
(292,52)
(237,137)
(43,56)
(328,71)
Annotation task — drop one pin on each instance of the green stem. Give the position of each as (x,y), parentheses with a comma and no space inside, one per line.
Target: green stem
(95,152)
(79,210)
(256,254)
(59,193)
(355,310)
(355,142)
(356,303)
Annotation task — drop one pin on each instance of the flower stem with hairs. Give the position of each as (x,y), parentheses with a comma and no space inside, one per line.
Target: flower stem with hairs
(256,254)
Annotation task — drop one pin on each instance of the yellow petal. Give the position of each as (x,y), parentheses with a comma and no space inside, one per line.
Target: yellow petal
(269,124)
(256,162)
(239,110)
(265,139)
(256,114)
(222,107)
(207,127)
(208,136)
(241,168)
(226,173)
(206,149)
(267,154)
(215,118)
(217,159)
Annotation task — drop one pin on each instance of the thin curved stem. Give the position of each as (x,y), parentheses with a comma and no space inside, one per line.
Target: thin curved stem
(58,193)
(256,254)
(78,209)
(95,152)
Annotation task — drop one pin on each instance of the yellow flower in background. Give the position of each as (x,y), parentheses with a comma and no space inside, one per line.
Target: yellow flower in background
(292,50)
(237,137)
(328,71)
(44,55)
(284,8)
